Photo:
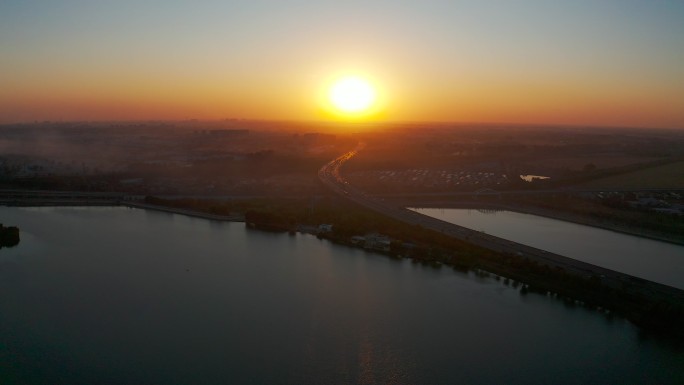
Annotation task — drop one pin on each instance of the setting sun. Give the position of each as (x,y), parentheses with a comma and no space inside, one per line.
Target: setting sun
(352,94)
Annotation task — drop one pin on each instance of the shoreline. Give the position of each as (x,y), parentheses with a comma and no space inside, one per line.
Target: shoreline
(190,213)
(553,214)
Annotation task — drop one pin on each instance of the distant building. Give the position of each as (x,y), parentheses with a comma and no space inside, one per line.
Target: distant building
(377,242)
(649,203)
(358,240)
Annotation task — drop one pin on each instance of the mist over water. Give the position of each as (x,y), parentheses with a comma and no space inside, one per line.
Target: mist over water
(116,295)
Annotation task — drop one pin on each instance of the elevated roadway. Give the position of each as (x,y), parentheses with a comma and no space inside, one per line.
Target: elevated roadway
(489,192)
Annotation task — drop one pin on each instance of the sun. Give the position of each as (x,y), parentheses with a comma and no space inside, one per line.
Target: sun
(352,95)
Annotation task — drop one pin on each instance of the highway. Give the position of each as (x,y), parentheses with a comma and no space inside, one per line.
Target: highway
(565,191)
(331,177)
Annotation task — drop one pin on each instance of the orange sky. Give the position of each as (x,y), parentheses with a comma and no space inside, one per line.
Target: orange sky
(583,63)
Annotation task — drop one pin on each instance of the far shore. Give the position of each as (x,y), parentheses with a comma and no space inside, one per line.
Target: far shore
(519,208)
(191,213)
(554,214)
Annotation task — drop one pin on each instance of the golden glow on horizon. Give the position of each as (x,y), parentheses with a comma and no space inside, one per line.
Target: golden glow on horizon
(306,95)
(447,63)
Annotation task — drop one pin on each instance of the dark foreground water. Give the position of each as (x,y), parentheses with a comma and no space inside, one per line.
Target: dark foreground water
(125,296)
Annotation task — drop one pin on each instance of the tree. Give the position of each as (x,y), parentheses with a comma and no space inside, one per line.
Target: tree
(9,236)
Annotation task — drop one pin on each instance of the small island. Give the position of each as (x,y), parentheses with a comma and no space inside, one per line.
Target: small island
(9,236)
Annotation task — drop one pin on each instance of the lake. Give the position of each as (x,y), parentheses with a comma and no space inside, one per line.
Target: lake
(126,296)
(656,261)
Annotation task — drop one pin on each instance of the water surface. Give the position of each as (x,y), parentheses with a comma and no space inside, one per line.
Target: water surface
(642,257)
(126,296)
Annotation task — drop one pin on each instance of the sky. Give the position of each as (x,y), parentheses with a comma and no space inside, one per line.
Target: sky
(596,62)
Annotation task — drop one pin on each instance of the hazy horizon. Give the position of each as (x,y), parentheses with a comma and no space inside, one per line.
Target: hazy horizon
(587,63)
(329,122)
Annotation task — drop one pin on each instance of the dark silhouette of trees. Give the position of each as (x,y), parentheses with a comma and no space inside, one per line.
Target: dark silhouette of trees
(9,236)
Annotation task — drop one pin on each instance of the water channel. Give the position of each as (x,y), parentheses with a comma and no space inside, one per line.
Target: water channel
(128,296)
(657,261)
